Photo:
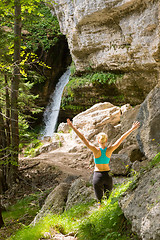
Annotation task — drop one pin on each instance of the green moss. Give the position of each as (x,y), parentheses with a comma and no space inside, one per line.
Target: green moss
(93,79)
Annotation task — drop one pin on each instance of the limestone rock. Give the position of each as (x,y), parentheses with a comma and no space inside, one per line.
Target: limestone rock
(95,118)
(63,127)
(149,116)
(136,166)
(55,202)
(133,152)
(127,120)
(119,164)
(150,224)
(114,35)
(47,147)
(59,236)
(79,193)
(142,208)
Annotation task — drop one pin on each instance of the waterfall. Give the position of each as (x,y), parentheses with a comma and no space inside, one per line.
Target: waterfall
(52,110)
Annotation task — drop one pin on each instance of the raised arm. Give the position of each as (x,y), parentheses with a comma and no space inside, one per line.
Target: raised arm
(135,125)
(80,135)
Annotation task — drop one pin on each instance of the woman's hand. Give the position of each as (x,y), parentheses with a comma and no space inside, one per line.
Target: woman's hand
(69,123)
(135,125)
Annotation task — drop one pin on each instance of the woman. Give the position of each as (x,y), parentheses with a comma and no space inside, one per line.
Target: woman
(102,181)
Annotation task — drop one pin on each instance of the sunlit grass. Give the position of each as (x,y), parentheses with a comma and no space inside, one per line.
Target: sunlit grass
(108,223)
(64,223)
(85,221)
(22,207)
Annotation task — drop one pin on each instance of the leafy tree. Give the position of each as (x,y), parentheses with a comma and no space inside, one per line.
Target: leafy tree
(16,58)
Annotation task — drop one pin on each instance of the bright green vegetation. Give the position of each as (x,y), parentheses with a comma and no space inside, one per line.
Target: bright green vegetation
(43,28)
(26,206)
(86,221)
(94,78)
(154,162)
(91,79)
(32,149)
(23,212)
(40,32)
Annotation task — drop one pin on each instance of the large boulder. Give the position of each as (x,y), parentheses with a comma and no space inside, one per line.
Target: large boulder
(149,116)
(55,202)
(80,192)
(119,164)
(141,206)
(133,152)
(94,120)
(127,119)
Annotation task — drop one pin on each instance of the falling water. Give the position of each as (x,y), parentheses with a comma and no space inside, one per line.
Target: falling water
(52,111)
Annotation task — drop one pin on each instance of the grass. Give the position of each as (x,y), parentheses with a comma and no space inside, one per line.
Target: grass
(109,223)
(85,221)
(28,205)
(155,161)
(15,216)
(64,223)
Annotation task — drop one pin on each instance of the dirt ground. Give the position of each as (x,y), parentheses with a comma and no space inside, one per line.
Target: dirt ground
(44,172)
(48,169)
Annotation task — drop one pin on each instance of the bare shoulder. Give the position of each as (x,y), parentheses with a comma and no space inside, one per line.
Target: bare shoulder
(93,148)
(109,150)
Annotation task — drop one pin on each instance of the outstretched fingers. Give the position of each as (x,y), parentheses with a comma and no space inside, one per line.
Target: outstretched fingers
(135,125)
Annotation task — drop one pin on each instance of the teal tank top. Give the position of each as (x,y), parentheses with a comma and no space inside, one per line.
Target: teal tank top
(103,159)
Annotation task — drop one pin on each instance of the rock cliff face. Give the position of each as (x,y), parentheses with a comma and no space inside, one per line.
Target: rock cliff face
(142,206)
(115,35)
(149,116)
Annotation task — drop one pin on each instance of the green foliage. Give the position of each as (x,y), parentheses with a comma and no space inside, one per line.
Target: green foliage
(22,211)
(87,222)
(39,30)
(72,69)
(33,147)
(94,78)
(106,223)
(66,222)
(26,100)
(103,78)
(155,162)
(42,27)
(21,208)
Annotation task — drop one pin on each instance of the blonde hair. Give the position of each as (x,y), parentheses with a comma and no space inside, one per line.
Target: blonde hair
(102,137)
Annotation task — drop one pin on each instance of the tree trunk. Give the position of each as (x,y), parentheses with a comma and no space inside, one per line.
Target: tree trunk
(14,92)
(7,167)
(8,133)
(2,154)
(1,219)
(2,161)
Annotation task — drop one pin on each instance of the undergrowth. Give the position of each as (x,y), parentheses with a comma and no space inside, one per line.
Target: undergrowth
(85,221)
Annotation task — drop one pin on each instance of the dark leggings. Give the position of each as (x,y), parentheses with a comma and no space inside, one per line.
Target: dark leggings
(102,184)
